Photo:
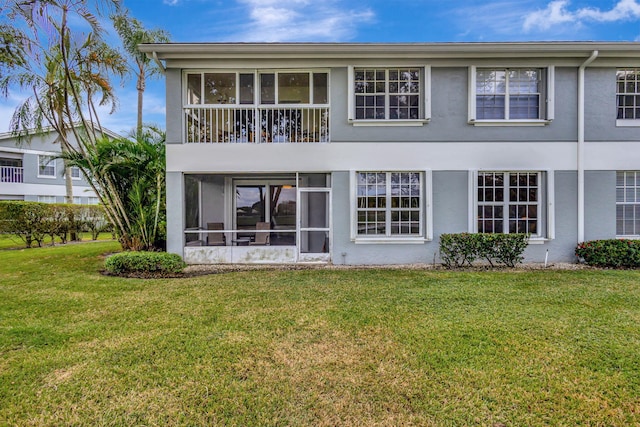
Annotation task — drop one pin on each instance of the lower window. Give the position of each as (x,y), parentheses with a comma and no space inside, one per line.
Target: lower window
(510,202)
(628,203)
(389,204)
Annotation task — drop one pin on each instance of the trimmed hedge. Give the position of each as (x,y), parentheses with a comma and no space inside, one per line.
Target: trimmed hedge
(616,253)
(33,221)
(458,250)
(160,263)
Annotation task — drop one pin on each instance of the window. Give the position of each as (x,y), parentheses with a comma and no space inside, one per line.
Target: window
(388,93)
(519,95)
(509,202)
(628,203)
(294,88)
(92,200)
(628,93)
(389,204)
(220,88)
(77,200)
(75,172)
(46,166)
(47,199)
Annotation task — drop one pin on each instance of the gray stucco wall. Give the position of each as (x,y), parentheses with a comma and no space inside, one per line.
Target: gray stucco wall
(601,110)
(449,122)
(174,106)
(450,215)
(600,205)
(175,213)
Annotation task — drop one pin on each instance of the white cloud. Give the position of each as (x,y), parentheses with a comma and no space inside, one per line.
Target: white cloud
(170,2)
(299,20)
(557,13)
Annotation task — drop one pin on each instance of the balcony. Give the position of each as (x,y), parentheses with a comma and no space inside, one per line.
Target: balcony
(281,124)
(11,174)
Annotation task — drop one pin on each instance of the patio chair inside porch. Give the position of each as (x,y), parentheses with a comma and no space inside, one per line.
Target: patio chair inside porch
(216,239)
(262,238)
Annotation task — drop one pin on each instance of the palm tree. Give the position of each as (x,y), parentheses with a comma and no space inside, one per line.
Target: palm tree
(61,71)
(128,175)
(132,33)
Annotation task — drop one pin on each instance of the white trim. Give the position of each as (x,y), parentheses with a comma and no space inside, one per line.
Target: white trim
(550,93)
(351,108)
(28,151)
(627,123)
(427,93)
(551,203)
(428,201)
(546,191)
(509,122)
(55,167)
(389,122)
(390,240)
(546,102)
(471,81)
(425,225)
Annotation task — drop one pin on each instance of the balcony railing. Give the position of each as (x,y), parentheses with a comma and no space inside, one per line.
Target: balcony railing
(11,174)
(256,125)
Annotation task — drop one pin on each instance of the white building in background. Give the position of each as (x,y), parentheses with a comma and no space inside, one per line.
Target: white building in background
(29,171)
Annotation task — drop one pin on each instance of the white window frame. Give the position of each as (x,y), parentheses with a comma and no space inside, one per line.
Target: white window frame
(634,203)
(52,162)
(256,86)
(546,193)
(425,96)
(74,173)
(627,122)
(547,108)
(47,199)
(426,210)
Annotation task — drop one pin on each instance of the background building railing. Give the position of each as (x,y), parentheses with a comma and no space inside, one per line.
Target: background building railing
(11,174)
(296,124)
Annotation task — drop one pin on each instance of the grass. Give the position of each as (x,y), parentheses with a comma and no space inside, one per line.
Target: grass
(8,241)
(316,347)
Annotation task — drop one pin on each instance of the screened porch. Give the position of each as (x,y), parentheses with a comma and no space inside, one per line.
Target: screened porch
(275,218)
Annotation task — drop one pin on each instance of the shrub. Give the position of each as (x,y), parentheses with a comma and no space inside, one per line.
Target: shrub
(459,249)
(456,250)
(32,221)
(160,263)
(614,253)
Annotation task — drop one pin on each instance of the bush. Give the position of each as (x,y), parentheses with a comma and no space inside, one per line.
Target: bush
(614,253)
(457,250)
(159,263)
(32,221)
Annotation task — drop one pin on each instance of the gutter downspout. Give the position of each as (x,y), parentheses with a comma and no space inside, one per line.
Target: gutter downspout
(154,55)
(580,148)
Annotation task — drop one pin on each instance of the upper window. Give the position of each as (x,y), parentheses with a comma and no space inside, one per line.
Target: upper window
(389,204)
(628,93)
(46,166)
(220,88)
(75,172)
(387,93)
(240,88)
(628,203)
(510,95)
(509,202)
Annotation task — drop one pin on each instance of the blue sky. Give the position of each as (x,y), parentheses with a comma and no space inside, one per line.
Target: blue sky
(362,21)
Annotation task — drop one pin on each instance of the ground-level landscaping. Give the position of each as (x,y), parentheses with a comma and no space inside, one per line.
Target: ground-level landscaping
(314,347)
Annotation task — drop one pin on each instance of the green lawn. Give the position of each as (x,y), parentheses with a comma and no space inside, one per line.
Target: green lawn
(8,241)
(314,347)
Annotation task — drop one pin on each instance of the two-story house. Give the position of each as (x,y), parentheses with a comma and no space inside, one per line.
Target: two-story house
(366,153)
(31,171)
